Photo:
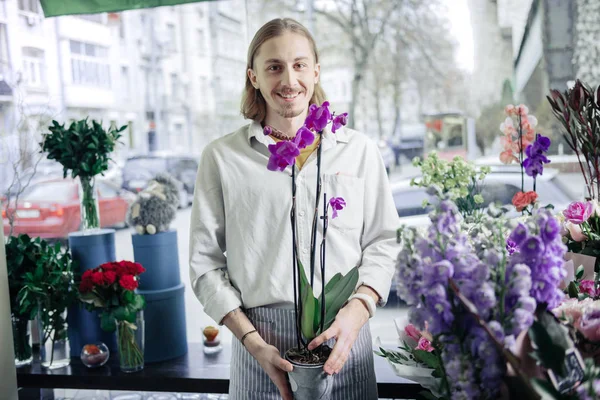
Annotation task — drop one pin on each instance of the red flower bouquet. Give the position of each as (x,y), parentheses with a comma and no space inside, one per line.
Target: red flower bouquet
(109,289)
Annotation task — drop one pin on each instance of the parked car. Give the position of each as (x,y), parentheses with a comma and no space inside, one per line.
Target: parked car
(51,209)
(138,170)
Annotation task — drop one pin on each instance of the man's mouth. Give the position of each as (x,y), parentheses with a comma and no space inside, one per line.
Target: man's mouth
(288,97)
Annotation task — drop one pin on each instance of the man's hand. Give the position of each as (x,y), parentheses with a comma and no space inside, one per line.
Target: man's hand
(345,328)
(271,362)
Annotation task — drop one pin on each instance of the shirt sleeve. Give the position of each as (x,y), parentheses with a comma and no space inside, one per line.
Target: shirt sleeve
(208,263)
(379,246)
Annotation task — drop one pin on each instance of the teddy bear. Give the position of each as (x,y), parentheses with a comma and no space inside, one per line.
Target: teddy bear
(155,207)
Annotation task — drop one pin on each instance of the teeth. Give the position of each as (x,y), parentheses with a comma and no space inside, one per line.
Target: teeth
(288,96)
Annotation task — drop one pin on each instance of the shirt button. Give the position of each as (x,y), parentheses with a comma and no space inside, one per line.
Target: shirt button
(301,213)
(305,251)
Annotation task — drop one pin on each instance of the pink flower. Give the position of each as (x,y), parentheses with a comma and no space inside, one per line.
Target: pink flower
(571,310)
(425,344)
(522,110)
(578,212)
(590,323)
(412,332)
(507,157)
(575,232)
(588,287)
(510,110)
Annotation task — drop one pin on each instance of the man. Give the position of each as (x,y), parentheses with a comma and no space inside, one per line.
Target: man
(243,209)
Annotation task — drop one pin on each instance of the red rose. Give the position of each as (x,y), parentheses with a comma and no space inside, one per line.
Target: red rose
(110,277)
(108,267)
(86,285)
(128,282)
(137,268)
(522,200)
(98,278)
(87,274)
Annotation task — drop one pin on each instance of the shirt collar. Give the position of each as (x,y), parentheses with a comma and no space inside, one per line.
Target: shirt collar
(255,130)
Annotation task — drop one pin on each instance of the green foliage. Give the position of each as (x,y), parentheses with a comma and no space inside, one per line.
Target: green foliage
(337,291)
(82,149)
(38,274)
(457,179)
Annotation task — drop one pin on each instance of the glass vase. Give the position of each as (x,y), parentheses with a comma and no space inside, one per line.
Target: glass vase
(88,196)
(54,343)
(21,329)
(130,342)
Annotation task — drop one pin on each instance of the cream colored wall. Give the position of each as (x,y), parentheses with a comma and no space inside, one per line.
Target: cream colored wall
(8,383)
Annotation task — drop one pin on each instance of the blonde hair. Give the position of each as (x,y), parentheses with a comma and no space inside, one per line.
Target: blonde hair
(254,105)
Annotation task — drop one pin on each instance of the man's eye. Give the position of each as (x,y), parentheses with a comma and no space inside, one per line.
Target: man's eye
(301,66)
(274,68)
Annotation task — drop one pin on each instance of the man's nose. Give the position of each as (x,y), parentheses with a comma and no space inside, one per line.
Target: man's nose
(289,77)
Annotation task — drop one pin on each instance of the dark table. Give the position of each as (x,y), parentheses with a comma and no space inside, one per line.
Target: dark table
(194,373)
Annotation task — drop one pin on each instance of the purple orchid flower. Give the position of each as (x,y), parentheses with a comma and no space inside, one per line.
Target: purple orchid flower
(267,130)
(304,137)
(318,117)
(339,121)
(337,204)
(536,157)
(283,153)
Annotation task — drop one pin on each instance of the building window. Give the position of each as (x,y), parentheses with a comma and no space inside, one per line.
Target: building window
(4,64)
(126,82)
(89,64)
(34,67)
(201,43)
(92,17)
(174,86)
(172,37)
(29,6)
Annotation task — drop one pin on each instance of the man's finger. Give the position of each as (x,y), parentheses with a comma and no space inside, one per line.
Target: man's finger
(284,365)
(336,353)
(322,338)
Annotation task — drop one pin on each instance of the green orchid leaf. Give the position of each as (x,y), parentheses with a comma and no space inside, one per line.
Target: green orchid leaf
(338,295)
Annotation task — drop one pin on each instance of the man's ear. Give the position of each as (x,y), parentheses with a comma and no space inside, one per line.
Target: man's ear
(253,78)
(317,73)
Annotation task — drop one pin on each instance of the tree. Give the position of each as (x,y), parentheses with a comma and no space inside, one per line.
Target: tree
(23,155)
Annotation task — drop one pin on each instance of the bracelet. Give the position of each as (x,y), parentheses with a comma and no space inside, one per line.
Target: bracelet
(367,301)
(246,335)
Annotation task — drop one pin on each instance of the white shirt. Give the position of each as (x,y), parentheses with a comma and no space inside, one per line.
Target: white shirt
(241,236)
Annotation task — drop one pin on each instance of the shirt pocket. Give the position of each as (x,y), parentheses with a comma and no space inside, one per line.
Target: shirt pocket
(351,189)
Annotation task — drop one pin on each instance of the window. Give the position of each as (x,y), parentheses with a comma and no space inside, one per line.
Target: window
(89,64)
(172,37)
(4,64)
(174,85)
(92,17)
(29,6)
(34,67)
(126,82)
(201,43)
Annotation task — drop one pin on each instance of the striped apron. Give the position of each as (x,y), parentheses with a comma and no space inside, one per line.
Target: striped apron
(356,380)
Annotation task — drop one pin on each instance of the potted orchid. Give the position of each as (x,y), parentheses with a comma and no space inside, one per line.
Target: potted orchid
(313,314)
(527,148)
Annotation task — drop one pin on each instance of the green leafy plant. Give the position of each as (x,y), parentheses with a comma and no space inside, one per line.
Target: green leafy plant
(457,180)
(46,283)
(22,256)
(84,150)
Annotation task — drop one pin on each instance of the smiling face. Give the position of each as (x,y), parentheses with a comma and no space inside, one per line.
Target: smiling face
(285,72)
